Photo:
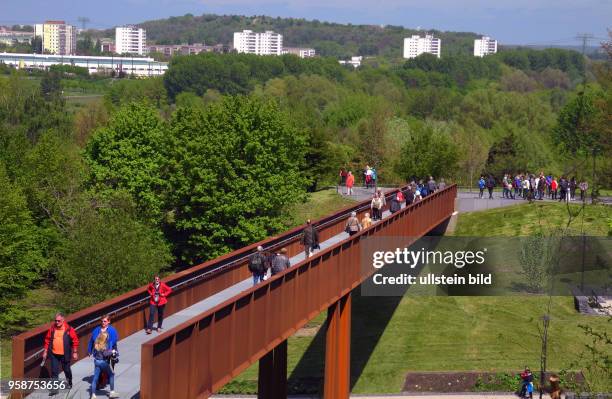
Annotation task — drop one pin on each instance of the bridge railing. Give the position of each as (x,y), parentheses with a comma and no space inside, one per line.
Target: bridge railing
(199,356)
(128,311)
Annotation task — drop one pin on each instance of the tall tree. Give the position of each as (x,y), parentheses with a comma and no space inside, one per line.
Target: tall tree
(127,154)
(231,171)
(430,150)
(21,251)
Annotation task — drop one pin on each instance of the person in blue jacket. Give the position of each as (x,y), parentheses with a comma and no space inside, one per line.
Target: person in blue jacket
(103,347)
(481,186)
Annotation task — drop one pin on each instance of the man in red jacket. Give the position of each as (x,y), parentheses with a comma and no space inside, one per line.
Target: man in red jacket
(159,292)
(64,342)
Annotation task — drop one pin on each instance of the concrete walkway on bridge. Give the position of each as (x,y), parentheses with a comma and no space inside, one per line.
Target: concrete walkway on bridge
(127,371)
(127,378)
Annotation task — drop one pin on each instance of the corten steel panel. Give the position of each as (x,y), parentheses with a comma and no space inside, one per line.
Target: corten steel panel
(130,311)
(323,278)
(337,349)
(265,380)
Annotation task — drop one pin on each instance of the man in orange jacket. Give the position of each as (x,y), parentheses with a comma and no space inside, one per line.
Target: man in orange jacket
(64,342)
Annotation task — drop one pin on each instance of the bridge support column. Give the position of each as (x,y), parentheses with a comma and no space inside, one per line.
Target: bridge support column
(272,381)
(337,383)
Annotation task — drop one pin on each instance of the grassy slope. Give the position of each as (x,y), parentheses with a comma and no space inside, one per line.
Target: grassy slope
(454,333)
(526,219)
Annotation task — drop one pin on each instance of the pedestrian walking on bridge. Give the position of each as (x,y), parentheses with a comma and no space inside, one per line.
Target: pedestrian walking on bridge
(352,224)
(280,262)
(159,292)
(257,265)
(310,238)
(63,342)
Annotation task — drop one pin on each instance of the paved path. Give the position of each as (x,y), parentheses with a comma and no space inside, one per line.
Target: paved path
(469,201)
(361,193)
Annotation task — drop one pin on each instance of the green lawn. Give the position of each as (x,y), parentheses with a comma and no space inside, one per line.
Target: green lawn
(390,339)
(527,219)
(318,204)
(392,336)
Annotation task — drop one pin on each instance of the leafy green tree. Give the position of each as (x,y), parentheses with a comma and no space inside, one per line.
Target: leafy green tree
(372,132)
(518,81)
(50,85)
(52,176)
(231,170)
(579,128)
(106,254)
(127,154)
(23,108)
(21,253)
(430,150)
(239,73)
(474,149)
(86,46)
(134,90)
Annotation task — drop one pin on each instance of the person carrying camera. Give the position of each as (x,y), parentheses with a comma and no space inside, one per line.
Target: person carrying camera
(159,291)
(103,348)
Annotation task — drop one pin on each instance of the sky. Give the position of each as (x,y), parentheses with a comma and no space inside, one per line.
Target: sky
(537,22)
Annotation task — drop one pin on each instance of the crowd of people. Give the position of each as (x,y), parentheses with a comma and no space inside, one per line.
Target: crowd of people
(526,389)
(415,191)
(369,178)
(61,343)
(534,187)
(263,264)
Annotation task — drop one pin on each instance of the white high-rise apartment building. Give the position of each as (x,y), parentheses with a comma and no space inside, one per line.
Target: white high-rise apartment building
(484,46)
(130,39)
(267,43)
(417,45)
(57,37)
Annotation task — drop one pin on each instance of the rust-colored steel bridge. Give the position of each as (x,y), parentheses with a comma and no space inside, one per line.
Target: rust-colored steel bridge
(197,356)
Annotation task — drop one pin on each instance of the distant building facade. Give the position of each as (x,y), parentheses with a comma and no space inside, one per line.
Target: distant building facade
(186,49)
(141,67)
(266,43)
(107,46)
(10,37)
(484,46)
(58,37)
(300,52)
(417,45)
(130,39)
(355,62)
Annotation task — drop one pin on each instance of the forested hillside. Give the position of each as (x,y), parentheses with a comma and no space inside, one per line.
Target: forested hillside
(328,39)
(97,196)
